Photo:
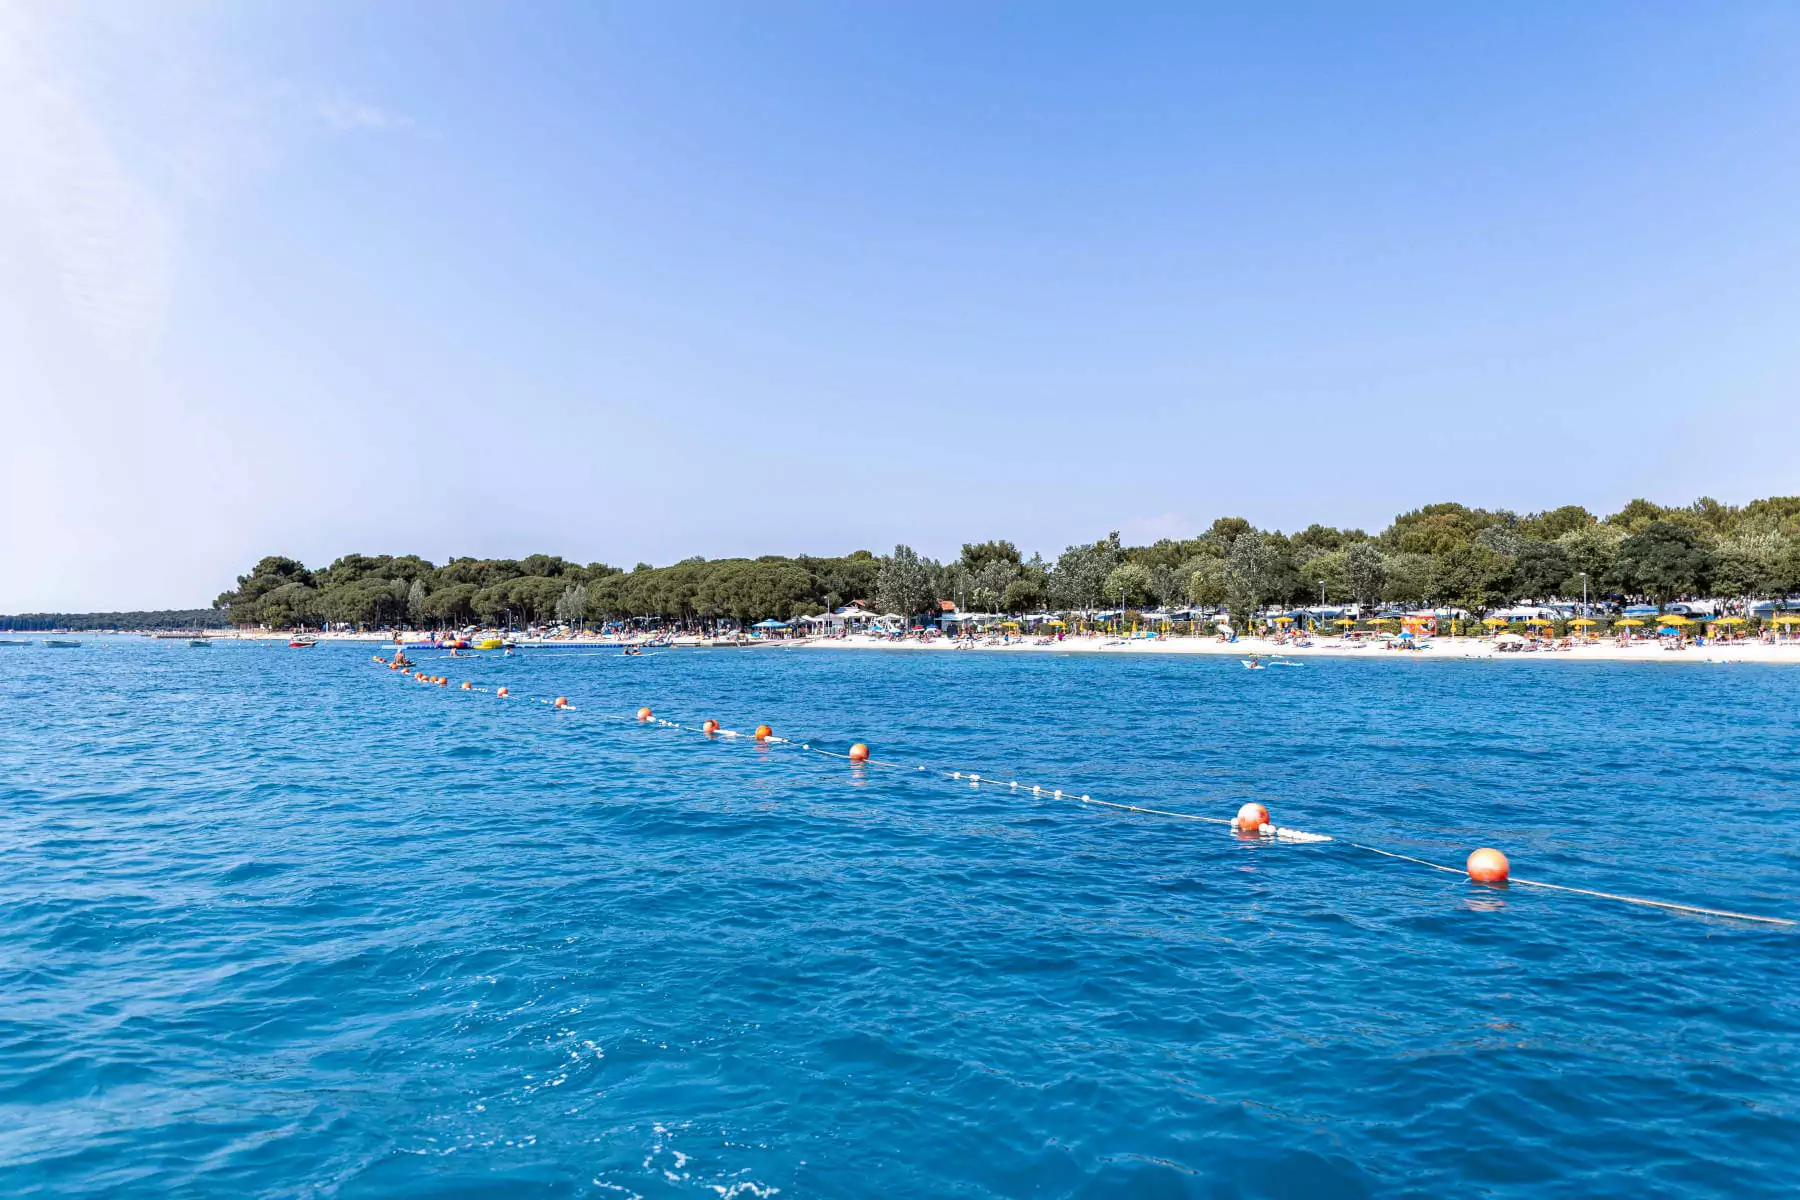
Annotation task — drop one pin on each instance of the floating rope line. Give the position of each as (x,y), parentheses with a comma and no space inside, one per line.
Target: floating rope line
(1557,887)
(976,780)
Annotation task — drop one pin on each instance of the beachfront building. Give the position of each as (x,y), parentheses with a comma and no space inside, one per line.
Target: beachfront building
(853,618)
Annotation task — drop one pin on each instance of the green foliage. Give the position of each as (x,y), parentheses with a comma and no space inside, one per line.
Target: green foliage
(1471,576)
(1436,528)
(906,583)
(1331,568)
(377,591)
(1406,578)
(1365,572)
(1636,515)
(1079,579)
(1440,553)
(1318,539)
(1548,526)
(1540,570)
(174,618)
(979,555)
(1663,562)
(1127,585)
(1593,549)
(1024,594)
(1256,571)
(1206,582)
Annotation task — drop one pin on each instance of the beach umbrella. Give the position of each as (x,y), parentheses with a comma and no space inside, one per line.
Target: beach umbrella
(1536,621)
(1583,621)
(1787,620)
(1675,619)
(1729,621)
(1344,621)
(1494,621)
(1628,621)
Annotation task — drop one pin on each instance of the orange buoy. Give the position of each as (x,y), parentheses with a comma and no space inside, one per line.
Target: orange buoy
(561,702)
(502,693)
(467,686)
(1488,865)
(709,726)
(1252,817)
(644,714)
(859,753)
(443,680)
(763,731)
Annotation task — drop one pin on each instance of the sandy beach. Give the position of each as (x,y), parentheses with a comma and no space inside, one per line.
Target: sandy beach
(1644,650)
(1606,650)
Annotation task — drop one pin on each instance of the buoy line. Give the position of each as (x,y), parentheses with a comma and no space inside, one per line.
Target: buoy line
(1485,865)
(1558,887)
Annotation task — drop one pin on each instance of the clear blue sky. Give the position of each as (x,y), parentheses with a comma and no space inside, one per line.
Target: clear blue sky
(637,281)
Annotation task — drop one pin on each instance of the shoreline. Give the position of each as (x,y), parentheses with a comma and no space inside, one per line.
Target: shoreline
(1645,650)
(1434,649)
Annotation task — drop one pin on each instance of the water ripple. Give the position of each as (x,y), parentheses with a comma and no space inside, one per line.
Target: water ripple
(277,923)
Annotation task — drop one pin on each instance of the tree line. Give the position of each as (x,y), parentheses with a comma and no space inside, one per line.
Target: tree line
(168,618)
(1440,554)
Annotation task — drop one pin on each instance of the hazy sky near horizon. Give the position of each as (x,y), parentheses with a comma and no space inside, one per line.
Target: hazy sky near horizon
(638,281)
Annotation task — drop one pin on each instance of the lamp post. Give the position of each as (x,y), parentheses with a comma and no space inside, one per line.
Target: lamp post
(1584,599)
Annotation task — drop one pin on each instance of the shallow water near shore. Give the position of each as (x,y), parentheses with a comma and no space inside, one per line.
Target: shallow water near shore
(278,923)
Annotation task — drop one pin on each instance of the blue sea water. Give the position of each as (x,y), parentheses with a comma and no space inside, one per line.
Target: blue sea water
(279,923)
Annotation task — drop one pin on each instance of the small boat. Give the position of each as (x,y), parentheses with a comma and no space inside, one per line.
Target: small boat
(13,642)
(200,641)
(60,644)
(491,644)
(301,643)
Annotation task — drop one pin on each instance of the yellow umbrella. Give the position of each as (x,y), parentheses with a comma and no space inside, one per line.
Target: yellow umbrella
(1789,620)
(1583,621)
(1536,621)
(1628,621)
(1495,621)
(1283,620)
(1343,621)
(1674,619)
(1729,621)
